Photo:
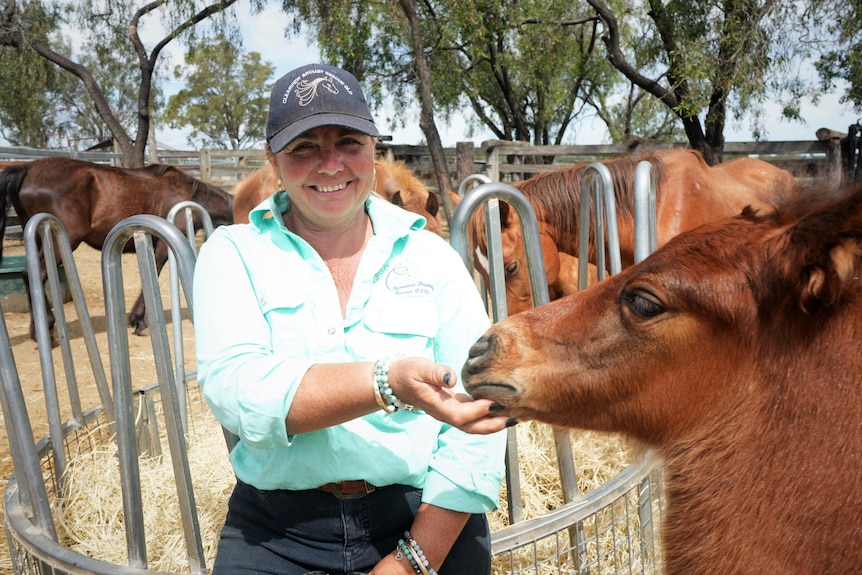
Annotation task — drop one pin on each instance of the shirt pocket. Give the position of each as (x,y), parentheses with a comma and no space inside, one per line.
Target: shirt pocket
(412,322)
(286,312)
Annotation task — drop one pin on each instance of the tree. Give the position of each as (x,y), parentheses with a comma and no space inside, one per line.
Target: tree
(30,85)
(115,74)
(709,57)
(844,59)
(426,118)
(225,99)
(115,28)
(519,66)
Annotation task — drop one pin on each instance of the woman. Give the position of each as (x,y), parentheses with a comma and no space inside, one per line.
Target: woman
(330,331)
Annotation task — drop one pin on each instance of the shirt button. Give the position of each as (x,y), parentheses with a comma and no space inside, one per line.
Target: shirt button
(263,301)
(331,331)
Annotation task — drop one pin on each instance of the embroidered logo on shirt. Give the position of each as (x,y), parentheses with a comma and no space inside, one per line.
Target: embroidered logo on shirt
(402,280)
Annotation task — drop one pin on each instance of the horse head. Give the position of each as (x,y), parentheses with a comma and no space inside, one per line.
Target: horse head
(561,269)
(217,202)
(732,350)
(398,184)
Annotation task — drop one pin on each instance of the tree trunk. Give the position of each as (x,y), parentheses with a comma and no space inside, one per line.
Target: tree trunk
(426,117)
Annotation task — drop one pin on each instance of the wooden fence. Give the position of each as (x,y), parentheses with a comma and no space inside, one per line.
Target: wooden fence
(497,159)
(508,161)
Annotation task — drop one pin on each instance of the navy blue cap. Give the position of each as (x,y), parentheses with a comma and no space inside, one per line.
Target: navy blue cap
(312,96)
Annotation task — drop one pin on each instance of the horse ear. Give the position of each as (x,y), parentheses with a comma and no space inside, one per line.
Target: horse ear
(825,246)
(432,204)
(506,213)
(456,199)
(396,199)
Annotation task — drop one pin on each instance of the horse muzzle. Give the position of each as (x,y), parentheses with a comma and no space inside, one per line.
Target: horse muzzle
(479,372)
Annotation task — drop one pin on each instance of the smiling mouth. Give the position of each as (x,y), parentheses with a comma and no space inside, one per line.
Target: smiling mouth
(328,189)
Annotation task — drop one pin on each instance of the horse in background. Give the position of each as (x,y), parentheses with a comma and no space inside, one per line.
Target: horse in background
(393,180)
(688,193)
(734,352)
(90,199)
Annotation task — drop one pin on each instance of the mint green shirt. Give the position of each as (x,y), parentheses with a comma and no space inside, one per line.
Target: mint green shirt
(266,309)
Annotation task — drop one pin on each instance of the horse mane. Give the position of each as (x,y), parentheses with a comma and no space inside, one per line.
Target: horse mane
(197,188)
(556,195)
(159,170)
(398,177)
(830,275)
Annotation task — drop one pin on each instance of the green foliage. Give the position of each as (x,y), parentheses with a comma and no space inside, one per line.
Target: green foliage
(115,69)
(116,74)
(225,98)
(30,83)
(843,61)
(525,68)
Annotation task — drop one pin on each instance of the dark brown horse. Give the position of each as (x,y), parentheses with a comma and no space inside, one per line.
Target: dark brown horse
(734,350)
(90,199)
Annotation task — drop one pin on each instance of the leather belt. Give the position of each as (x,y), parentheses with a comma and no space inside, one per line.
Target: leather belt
(348,489)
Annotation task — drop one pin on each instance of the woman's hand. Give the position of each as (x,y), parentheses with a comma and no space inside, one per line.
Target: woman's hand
(390,566)
(431,387)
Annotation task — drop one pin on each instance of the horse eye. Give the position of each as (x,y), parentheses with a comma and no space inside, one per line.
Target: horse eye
(511,269)
(642,304)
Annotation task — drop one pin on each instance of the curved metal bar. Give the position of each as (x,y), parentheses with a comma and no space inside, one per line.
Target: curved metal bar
(47,231)
(142,228)
(488,194)
(462,187)
(646,227)
(575,511)
(491,207)
(188,209)
(529,232)
(21,443)
(597,187)
(45,553)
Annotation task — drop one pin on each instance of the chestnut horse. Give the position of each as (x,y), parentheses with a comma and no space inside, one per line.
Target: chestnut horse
(393,180)
(734,350)
(688,193)
(90,199)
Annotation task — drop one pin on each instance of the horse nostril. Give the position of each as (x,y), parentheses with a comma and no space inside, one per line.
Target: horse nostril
(479,348)
(480,354)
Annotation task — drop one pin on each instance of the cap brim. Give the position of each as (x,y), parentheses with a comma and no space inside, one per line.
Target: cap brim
(282,138)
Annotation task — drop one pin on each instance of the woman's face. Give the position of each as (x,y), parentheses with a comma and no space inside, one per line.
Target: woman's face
(328,173)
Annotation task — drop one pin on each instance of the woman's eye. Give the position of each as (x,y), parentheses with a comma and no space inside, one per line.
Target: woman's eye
(302,147)
(350,143)
(642,304)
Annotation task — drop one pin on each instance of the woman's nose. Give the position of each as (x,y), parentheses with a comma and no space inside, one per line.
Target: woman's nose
(330,161)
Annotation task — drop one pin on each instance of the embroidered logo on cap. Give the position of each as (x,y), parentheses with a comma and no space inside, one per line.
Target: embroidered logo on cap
(306,91)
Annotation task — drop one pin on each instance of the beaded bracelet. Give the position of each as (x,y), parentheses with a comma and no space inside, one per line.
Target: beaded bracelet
(404,550)
(381,377)
(384,395)
(419,555)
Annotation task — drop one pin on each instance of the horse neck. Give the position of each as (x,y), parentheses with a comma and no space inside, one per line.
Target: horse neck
(556,198)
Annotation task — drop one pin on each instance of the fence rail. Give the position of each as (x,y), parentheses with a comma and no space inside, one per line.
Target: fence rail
(499,160)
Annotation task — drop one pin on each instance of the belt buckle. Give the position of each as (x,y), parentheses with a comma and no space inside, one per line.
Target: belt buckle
(336,491)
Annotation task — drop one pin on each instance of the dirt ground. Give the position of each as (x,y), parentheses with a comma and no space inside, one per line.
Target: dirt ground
(26,353)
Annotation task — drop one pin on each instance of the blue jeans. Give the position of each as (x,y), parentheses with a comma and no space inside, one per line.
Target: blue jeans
(302,532)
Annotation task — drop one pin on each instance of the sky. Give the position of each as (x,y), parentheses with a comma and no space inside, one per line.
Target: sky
(264,33)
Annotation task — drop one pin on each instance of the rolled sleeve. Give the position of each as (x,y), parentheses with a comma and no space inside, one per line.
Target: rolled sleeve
(466,472)
(248,387)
